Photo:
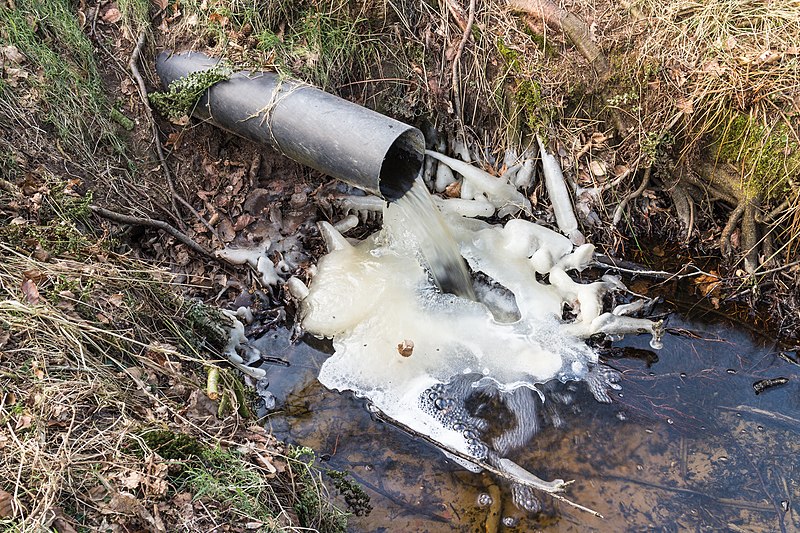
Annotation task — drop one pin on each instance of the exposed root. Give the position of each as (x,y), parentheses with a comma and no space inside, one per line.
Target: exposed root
(572,26)
(727,231)
(149,222)
(635,194)
(750,236)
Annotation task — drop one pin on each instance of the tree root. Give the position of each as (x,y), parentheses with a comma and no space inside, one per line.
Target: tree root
(635,194)
(725,238)
(149,222)
(573,27)
(723,183)
(751,245)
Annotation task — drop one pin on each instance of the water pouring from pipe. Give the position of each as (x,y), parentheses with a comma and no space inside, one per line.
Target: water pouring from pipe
(361,147)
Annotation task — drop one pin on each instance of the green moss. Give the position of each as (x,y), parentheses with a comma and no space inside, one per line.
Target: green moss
(769,155)
(183,93)
(529,97)
(511,57)
(173,446)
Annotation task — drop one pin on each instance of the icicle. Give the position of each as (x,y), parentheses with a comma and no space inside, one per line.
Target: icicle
(559,196)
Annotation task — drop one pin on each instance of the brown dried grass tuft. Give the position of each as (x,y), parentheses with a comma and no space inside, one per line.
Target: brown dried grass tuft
(92,361)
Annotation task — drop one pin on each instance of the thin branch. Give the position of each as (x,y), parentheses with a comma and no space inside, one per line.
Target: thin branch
(628,267)
(133,65)
(489,468)
(149,222)
(635,194)
(457,58)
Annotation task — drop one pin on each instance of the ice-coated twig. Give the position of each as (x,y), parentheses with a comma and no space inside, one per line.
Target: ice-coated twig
(346,224)
(500,193)
(466,208)
(510,470)
(559,196)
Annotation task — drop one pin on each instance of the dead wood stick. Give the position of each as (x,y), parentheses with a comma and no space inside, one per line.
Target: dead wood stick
(457,58)
(573,27)
(133,65)
(489,468)
(149,222)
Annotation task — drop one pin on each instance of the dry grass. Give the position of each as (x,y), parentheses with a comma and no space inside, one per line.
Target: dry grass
(90,367)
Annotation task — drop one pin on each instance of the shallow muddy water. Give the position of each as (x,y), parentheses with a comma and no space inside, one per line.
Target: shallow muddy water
(687,445)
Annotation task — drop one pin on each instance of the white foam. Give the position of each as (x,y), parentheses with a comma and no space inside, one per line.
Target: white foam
(373,296)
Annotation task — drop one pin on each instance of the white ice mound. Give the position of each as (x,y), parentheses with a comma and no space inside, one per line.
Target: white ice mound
(375,301)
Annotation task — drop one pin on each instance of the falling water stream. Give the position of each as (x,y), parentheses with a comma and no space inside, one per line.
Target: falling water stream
(422,218)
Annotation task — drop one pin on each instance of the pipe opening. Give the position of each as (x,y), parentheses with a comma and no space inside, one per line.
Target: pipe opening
(402,164)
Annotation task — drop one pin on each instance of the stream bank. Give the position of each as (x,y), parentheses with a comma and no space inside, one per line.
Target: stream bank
(513,75)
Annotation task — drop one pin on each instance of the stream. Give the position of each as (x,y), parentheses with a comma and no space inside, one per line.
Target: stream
(687,443)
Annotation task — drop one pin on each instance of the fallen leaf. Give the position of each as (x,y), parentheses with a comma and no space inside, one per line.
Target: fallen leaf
(37,370)
(30,291)
(709,286)
(34,275)
(243,221)
(132,480)
(23,422)
(12,54)
(6,504)
(406,348)
(112,15)
(685,105)
(453,190)
(597,167)
(116,299)
(161,4)
(62,523)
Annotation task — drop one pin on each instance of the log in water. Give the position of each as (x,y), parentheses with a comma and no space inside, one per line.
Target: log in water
(422,218)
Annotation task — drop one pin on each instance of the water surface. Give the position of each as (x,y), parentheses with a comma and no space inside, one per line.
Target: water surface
(687,445)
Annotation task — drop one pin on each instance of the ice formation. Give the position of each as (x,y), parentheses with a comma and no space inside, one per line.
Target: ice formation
(373,297)
(559,195)
(422,357)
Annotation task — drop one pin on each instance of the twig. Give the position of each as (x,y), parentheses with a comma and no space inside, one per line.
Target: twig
(457,58)
(628,267)
(777,269)
(199,217)
(133,65)
(635,194)
(725,236)
(149,222)
(489,468)
(761,412)
(729,502)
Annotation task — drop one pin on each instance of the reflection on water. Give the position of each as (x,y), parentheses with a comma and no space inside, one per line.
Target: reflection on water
(687,445)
